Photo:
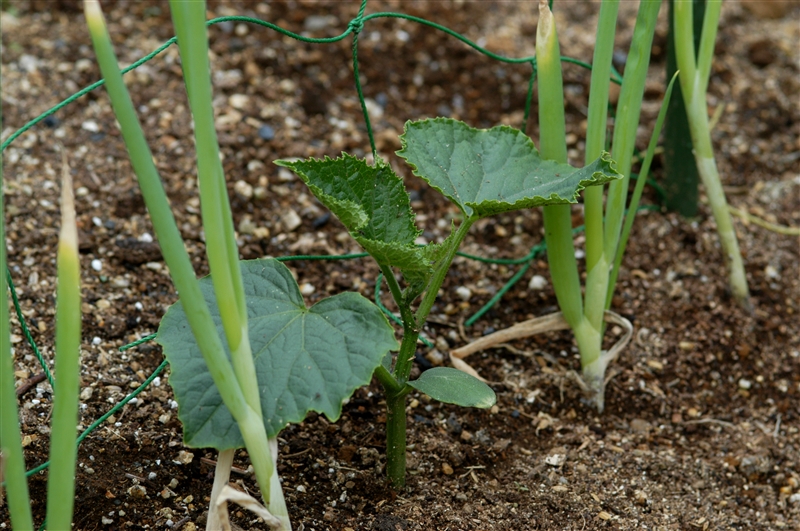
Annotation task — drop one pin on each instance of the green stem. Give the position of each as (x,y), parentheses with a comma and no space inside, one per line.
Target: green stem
(552,145)
(396,439)
(680,180)
(596,127)
(441,271)
(396,392)
(387,380)
(637,191)
(589,341)
(596,260)
(221,249)
(222,474)
(705,53)
(63,450)
(13,459)
(395,387)
(172,247)
(627,120)
(406,315)
(562,263)
(405,357)
(694,80)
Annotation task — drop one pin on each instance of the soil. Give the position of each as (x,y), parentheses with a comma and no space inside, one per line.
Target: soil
(701,429)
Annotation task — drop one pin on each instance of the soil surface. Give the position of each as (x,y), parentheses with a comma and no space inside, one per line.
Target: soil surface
(701,429)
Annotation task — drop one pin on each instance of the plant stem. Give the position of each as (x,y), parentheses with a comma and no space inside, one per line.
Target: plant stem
(394,385)
(410,326)
(221,249)
(596,260)
(596,126)
(180,267)
(637,191)
(387,380)
(222,474)
(277,506)
(694,81)
(680,169)
(396,439)
(396,392)
(396,408)
(12,459)
(553,146)
(63,450)
(441,271)
(627,121)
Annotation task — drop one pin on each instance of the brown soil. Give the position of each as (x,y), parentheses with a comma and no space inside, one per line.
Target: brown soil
(701,424)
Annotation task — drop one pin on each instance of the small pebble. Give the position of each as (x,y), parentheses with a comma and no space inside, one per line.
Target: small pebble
(291,220)
(435,357)
(307,289)
(300,488)
(285,175)
(246,226)
(184,458)
(745,384)
(537,282)
(90,126)
(266,132)
(51,121)
(447,469)
(137,492)
(464,293)
(319,22)
(244,189)
(97,265)
(640,426)
(640,498)
(771,272)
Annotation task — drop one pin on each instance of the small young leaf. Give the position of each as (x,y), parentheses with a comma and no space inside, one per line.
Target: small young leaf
(370,200)
(372,203)
(452,386)
(307,359)
(486,172)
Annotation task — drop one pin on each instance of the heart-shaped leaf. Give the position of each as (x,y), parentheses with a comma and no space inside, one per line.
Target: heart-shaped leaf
(486,172)
(452,386)
(306,359)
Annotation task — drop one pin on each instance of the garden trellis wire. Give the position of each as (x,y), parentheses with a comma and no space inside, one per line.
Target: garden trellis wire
(354,28)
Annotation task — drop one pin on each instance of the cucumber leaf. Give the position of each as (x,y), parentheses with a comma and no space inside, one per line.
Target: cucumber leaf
(306,359)
(452,386)
(486,172)
(373,205)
